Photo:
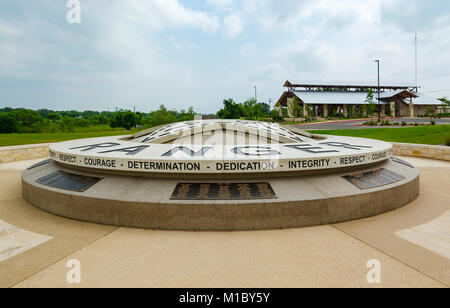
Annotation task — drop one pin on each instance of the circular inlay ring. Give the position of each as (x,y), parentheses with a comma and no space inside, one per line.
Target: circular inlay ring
(122,154)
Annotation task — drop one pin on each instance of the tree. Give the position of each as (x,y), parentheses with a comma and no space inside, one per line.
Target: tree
(29,121)
(126,119)
(430,111)
(8,123)
(6,109)
(130,120)
(54,116)
(186,115)
(27,117)
(45,112)
(99,119)
(67,124)
(159,117)
(275,114)
(249,107)
(371,105)
(231,110)
(445,104)
(80,122)
(265,108)
(445,101)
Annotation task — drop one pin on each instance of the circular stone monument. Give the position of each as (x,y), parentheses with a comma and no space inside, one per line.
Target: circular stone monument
(220,175)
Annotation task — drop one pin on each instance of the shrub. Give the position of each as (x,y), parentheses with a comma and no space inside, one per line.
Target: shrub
(371,123)
(276,116)
(433,122)
(67,124)
(79,122)
(404,123)
(430,112)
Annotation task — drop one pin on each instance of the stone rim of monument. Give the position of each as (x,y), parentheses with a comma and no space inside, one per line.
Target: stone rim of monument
(220,175)
(151,151)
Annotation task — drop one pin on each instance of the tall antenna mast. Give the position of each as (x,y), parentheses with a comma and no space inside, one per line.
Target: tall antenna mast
(415,46)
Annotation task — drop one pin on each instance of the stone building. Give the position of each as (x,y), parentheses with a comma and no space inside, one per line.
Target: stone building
(330,99)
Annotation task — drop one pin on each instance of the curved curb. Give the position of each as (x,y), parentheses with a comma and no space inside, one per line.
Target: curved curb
(23,152)
(422,151)
(145,202)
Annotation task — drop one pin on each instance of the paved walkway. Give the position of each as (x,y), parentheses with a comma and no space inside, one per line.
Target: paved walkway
(356,124)
(412,245)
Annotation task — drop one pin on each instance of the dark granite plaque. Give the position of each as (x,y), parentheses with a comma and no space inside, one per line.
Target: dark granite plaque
(41,163)
(401,161)
(374,178)
(68,181)
(223,191)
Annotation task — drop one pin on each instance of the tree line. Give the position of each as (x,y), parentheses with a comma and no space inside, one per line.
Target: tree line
(21,120)
(250,110)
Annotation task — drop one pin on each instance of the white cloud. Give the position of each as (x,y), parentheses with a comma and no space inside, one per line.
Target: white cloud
(8,30)
(220,2)
(232,25)
(132,53)
(163,13)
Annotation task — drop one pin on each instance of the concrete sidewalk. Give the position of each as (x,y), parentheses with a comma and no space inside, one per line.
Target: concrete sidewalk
(412,245)
(357,124)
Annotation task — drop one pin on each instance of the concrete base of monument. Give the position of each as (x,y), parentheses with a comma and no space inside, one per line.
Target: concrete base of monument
(220,204)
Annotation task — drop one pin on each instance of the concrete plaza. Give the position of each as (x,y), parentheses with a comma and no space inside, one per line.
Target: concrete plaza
(411,243)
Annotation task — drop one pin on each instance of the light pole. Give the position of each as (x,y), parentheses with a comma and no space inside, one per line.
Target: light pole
(256,96)
(415,55)
(379,111)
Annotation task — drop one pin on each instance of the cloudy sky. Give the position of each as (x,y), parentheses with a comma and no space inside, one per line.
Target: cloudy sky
(183,53)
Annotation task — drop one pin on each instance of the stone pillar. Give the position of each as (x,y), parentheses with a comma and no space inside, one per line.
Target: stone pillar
(392,104)
(345,111)
(280,111)
(364,110)
(290,108)
(354,110)
(325,110)
(305,110)
(411,108)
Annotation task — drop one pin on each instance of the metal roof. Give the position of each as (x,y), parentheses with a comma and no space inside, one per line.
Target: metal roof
(356,97)
(333,98)
(424,99)
(400,93)
(388,94)
(349,84)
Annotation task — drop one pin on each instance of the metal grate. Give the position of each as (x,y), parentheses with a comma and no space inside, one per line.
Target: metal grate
(372,179)
(223,191)
(44,162)
(401,161)
(68,181)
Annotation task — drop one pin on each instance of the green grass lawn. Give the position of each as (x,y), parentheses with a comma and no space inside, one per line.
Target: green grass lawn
(433,135)
(422,134)
(19,139)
